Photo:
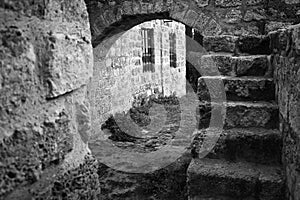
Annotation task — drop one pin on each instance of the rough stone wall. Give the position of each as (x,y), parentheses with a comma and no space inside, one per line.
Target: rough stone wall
(119,77)
(286,60)
(109,19)
(210,17)
(128,76)
(46,61)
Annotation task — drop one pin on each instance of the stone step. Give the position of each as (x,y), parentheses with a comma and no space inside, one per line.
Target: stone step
(218,179)
(236,88)
(118,185)
(238,114)
(240,45)
(257,145)
(228,65)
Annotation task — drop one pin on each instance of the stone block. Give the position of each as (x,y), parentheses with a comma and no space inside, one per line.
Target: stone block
(35,148)
(127,8)
(168,5)
(242,29)
(256,14)
(216,64)
(83,120)
(70,63)
(296,39)
(253,45)
(251,65)
(241,114)
(224,43)
(190,17)
(109,16)
(254,2)
(158,6)
(136,7)
(278,40)
(202,3)
(202,20)
(256,145)
(292,1)
(213,28)
(121,185)
(20,89)
(271,183)
(275,25)
(178,11)
(213,178)
(79,182)
(233,16)
(238,89)
(145,7)
(211,89)
(228,3)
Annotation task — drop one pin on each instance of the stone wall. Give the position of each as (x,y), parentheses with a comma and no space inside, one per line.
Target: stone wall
(286,60)
(46,61)
(120,79)
(110,19)
(210,17)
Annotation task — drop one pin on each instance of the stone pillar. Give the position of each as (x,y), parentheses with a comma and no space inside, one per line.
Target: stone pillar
(46,62)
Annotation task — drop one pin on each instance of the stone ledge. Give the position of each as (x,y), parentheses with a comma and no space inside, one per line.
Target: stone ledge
(237,88)
(238,114)
(214,178)
(257,145)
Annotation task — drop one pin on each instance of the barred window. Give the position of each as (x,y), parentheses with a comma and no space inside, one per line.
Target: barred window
(173,59)
(148,50)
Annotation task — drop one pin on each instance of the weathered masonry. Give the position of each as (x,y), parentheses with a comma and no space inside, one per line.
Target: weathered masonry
(137,65)
(49,61)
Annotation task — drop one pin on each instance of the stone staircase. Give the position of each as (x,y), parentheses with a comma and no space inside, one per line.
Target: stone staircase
(245,164)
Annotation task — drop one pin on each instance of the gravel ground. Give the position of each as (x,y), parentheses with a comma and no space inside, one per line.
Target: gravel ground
(147,133)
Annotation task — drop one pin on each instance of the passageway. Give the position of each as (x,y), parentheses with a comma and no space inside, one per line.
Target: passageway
(234,109)
(163,99)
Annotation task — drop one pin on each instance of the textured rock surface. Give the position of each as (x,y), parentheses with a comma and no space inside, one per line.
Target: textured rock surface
(252,66)
(228,17)
(241,44)
(285,44)
(257,145)
(168,183)
(238,89)
(79,183)
(253,44)
(224,43)
(46,60)
(216,64)
(240,114)
(238,180)
(229,65)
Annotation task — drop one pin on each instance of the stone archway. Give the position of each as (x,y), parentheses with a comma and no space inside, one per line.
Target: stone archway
(109,20)
(47,61)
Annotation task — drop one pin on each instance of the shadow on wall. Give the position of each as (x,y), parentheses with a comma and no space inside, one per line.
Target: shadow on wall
(149,59)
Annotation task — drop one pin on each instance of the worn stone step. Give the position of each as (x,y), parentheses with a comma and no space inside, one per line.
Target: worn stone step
(256,145)
(238,114)
(254,65)
(213,198)
(219,179)
(236,88)
(226,64)
(118,185)
(216,64)
(240,45)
